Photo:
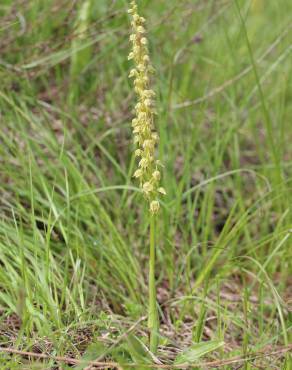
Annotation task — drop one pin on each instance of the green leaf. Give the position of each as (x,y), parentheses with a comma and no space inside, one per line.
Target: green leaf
(93,351)
(137,351)
(196,351)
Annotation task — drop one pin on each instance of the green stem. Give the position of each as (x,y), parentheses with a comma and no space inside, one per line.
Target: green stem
(152,315)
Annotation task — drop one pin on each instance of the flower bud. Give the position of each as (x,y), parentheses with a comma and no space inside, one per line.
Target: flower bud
(141,29)
(131,56)
(147,187)
(144,163)
(133,73)
(161,191)
(138,153)
(154,206)
(156,175)
(148,102)
(138,173)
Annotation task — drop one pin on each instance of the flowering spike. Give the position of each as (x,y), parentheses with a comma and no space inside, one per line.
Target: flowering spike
(145,136)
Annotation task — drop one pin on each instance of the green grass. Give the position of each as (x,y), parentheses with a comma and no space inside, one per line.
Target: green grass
(73,224)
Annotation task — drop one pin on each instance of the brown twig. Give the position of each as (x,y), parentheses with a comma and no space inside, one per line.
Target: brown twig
(109,365)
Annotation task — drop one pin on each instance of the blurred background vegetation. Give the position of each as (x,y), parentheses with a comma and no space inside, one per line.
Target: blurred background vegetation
(73,250)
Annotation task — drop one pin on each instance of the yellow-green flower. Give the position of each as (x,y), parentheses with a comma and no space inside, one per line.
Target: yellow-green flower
(145,136)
